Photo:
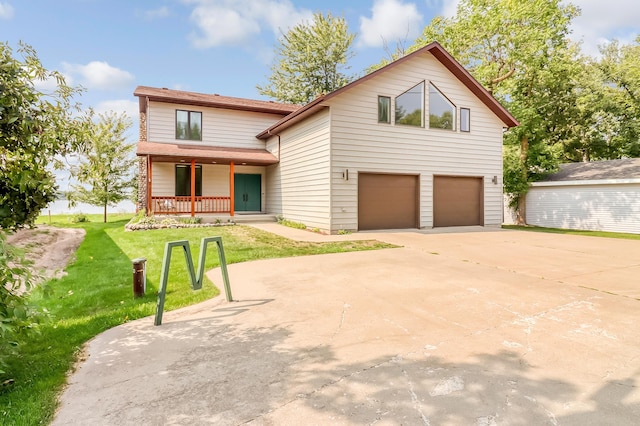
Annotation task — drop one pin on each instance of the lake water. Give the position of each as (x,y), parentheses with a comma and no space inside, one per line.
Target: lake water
(62,207)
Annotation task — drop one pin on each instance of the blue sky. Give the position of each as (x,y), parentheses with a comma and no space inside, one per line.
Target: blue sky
(225,46)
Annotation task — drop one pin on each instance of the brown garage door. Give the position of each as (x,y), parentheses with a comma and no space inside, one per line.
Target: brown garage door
(457,201)
(387,201)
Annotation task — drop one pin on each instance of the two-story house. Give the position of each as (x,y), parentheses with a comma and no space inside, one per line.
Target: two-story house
(415,144)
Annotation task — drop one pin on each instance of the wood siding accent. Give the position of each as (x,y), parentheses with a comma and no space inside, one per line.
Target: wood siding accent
(298,187)
(361,144)
(220,127)
(593,207)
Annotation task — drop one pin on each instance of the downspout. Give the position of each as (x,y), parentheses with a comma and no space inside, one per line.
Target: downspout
(193,187)
(149,183)
(232,206)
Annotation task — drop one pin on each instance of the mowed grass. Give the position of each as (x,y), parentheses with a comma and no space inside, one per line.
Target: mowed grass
(97,295)
(574,232)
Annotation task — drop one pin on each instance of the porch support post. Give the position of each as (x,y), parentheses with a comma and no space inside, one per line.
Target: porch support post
(149,194)
(193,188)
(231,189)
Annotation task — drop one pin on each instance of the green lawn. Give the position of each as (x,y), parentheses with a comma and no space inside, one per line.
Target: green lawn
(574,232)
(97,295)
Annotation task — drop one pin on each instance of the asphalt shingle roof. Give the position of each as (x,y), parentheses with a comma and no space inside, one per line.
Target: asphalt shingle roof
(628,168)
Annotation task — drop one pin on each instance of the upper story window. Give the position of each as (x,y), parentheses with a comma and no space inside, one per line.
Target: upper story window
(442,113)
(189,125)
(409,106)
(465,120)
(384,109)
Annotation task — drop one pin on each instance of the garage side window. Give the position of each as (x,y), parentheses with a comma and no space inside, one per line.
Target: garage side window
(384,105)
(442,113)
(465,120)
(189,125)
(409,106)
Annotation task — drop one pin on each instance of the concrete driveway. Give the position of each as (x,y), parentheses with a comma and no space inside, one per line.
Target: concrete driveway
(469,328)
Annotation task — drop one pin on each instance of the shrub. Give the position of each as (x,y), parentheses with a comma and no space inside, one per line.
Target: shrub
(79,218)
(191,220)
(292,224)
(16,315)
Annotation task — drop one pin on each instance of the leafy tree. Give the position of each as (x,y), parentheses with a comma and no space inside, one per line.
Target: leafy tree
(107,165)
(620,68)
(604,121)
(311,60)
(516,50)
(34,128)
(444,121)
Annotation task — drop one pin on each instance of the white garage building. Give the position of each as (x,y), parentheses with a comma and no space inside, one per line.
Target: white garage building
(597,196)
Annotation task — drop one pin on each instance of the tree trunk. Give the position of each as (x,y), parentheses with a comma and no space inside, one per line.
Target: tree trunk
(105,213)
(521,212)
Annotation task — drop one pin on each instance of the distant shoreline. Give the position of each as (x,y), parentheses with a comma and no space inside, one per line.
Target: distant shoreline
(62,207)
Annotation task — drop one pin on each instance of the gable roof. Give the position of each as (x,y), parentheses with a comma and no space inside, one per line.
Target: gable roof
(439,53)
(210,100)
(628,168)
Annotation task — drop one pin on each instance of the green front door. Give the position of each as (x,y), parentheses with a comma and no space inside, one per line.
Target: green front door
(247,193)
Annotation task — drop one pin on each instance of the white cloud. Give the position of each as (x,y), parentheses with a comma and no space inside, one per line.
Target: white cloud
(600,22)
(221,22)
(48,85)
(119,106)
(161,12)
(449,8)
(6,11)
(98,75)
(391,21)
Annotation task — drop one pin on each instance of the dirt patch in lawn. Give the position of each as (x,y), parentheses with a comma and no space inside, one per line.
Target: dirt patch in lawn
(50,249)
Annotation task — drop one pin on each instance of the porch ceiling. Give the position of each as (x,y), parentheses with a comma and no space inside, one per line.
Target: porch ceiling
(175,153)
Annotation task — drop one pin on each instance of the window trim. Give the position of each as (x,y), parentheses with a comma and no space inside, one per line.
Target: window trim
(188,133)
(468,121)
(422,106)
(188,169)
(455,109)
(388,98)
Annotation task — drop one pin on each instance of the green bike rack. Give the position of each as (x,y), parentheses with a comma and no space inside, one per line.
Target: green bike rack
(196,284)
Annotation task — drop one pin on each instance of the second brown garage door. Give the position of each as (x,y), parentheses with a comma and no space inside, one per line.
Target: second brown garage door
(457,201)
(387,201)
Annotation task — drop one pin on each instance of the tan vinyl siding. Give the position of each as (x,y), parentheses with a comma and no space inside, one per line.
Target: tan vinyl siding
(220,127)
(298,186)
(215,180)
(594,207)
(163,180)
(361,144)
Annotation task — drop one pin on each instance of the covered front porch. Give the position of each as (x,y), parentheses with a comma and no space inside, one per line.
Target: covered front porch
(195,180)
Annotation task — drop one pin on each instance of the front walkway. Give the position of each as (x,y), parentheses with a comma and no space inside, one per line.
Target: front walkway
(478,328)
